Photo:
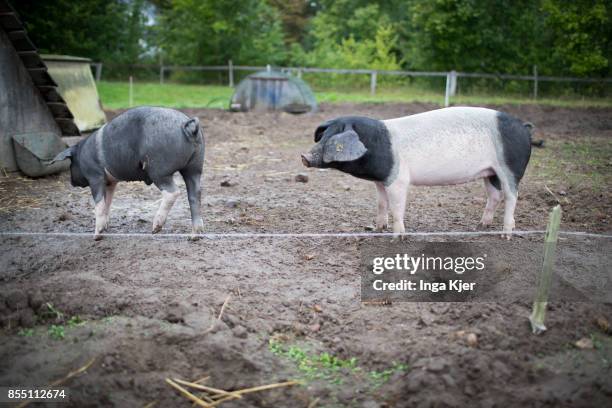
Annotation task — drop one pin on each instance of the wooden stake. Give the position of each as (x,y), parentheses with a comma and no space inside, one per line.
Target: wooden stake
(550,246)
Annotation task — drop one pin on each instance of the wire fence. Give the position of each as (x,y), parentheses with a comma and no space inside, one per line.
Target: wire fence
(529,86)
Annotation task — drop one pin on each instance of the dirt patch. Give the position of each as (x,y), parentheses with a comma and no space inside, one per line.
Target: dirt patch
(145,304)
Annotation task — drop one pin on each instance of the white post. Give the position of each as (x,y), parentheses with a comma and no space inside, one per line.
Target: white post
(131,97)
(299,73)
(447,91)
(268,68)
(161,74)
(230,67)
(535,82)
(453,83)
(373,83)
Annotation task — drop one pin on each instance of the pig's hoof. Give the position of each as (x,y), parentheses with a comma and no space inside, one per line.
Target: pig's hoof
(485,223)
(195,232)
(399,238)
(381,228)
(156,229)
(97,236)
(507,236)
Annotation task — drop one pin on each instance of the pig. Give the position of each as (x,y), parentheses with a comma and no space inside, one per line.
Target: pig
(440,147)
(147,144)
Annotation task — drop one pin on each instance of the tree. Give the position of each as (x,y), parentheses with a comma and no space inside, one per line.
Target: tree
(212,32)
(103,30)
(490,35)
(581,35)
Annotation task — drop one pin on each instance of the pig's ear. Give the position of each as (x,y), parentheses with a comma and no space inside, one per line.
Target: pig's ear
(62,156)
(343,147)
(320,130)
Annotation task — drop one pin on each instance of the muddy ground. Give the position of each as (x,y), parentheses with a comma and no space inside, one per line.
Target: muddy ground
(144,306)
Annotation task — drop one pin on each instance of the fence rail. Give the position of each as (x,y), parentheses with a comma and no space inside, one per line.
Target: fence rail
(451,76)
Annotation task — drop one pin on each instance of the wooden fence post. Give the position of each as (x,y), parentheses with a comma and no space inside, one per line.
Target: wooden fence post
(230,67)
(544,280)
(535,82)
(373,83)
(161,74)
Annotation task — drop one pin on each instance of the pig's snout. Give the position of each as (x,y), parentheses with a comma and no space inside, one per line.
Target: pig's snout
(306,159)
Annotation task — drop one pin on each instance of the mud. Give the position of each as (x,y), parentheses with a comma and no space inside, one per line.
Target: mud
(146,305)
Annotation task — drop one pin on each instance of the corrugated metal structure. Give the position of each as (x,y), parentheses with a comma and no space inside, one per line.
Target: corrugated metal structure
(29,99)
(78,88)
(273,90)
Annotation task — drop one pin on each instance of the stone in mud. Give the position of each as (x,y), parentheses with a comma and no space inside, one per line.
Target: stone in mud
(231,203)
(228,183)
(471,340)
(301,178)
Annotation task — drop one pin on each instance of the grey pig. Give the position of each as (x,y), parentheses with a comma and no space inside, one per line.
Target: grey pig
(147,144)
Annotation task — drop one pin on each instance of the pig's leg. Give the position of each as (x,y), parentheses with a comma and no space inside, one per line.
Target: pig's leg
(108,200)
(510,189)
(494,197)
(510,204)
(382,218)
(170,193)
(98,191)
(194,193)
(396,193)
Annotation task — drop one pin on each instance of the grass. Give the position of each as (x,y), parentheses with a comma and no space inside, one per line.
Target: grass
(575,163)
(115,95)
(332,370)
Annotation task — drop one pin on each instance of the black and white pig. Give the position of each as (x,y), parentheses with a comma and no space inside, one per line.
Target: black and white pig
(440,147)
(147,144)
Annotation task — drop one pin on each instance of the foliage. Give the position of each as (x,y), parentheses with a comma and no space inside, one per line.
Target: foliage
(212,32)
(495,36)
(57,332)
(103,30)
(581,33)
(26,332)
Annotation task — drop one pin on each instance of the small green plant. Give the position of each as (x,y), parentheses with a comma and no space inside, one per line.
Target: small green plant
(380,377)
(329,368)
(76,321)
(26,332)
(57,332)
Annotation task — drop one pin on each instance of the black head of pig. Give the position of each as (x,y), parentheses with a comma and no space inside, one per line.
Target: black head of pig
(353,144)
(77,179)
